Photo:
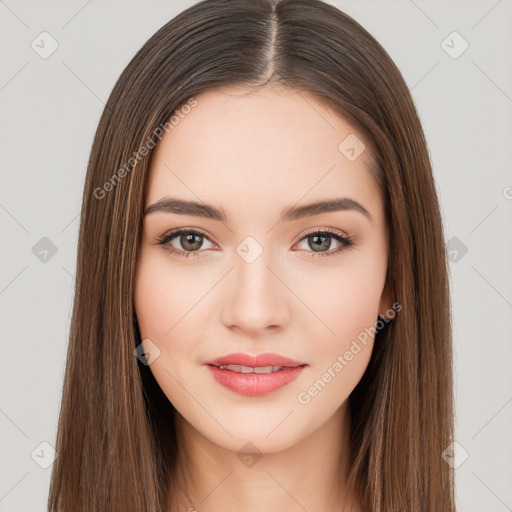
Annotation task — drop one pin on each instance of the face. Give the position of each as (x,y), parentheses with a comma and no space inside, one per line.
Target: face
(299,286)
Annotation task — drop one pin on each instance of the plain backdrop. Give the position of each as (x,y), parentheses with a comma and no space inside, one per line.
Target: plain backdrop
(456,58)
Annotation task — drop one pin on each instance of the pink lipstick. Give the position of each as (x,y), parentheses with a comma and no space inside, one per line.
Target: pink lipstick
(254,375)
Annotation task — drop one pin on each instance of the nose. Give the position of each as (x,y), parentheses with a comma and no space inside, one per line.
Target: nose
(256,299)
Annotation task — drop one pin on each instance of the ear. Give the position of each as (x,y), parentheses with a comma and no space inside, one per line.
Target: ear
(386,299)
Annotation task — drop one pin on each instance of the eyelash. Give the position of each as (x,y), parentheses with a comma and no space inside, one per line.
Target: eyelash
(345,241)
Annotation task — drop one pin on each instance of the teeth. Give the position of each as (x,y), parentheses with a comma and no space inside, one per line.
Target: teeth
(267,369)
(249,369)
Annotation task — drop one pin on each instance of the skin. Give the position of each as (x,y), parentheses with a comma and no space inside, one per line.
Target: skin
(254,154)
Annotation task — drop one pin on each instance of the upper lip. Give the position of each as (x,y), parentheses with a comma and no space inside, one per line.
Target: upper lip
(261,360)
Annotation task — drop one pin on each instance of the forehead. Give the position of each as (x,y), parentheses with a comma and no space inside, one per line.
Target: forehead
(258,149)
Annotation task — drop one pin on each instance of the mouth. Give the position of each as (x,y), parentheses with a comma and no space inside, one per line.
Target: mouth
(254,375)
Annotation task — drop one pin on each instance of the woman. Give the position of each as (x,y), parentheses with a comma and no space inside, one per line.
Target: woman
(262,312)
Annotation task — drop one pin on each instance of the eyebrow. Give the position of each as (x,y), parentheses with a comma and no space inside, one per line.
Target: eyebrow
(182,207)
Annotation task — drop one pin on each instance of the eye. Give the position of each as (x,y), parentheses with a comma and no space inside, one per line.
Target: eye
(322,239)
(190,240)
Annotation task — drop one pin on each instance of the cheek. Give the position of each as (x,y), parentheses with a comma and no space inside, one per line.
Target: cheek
(350,308)
(169,311)
(161,310)
(343,346)
(345,303)
(343,298)
(151,303)
(160,301)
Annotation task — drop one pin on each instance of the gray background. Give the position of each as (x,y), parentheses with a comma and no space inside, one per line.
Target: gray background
(49,112)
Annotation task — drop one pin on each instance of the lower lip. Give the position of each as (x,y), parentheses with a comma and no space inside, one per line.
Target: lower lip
(255,384)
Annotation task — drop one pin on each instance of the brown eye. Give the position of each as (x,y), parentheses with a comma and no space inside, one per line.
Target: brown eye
(321,241)
(184,242)
(191,242)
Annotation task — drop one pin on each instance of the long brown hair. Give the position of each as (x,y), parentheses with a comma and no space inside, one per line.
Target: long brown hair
(116,443)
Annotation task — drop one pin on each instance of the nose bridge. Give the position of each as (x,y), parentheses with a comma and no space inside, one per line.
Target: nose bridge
(255,298)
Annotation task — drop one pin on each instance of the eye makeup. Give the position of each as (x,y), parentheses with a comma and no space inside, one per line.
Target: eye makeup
(316,235)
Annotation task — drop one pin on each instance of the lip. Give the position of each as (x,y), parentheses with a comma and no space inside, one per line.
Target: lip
(255,384)
(266,359)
